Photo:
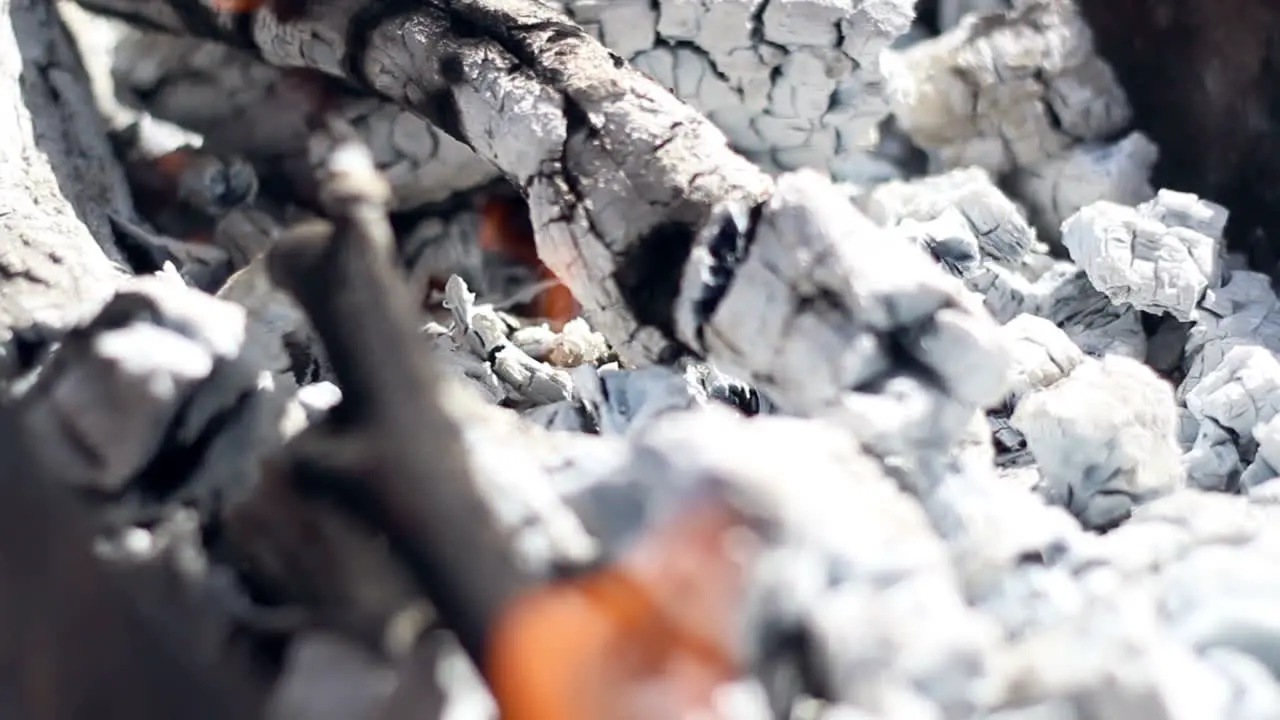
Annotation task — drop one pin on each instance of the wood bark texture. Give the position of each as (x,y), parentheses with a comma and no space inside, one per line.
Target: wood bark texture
(59,181)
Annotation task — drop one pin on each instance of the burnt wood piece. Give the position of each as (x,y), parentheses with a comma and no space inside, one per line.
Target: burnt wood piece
(389,450)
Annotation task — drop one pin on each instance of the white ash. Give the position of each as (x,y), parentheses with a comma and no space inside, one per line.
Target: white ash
(1008,90)
(1145,256)
(1041,353)
(1243,312)
(1001,228)
(1087,173)
(1213,461)
(792,83)
(1238,398)
(811,321)
(1105,438)
(485,333)
(575,344)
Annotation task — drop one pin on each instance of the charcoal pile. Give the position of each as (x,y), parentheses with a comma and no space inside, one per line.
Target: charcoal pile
(632,359)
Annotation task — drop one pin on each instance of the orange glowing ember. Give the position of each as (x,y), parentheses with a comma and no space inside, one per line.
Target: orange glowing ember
(505,229)
(643,639)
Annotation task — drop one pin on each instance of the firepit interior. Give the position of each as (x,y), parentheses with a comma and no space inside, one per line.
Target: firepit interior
(639,360)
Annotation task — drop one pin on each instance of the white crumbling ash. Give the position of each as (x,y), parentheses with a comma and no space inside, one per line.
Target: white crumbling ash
(1139,256)
(1000,226)
(1244,311)
(1041,353)
(1007,90)
(1266,463)
(485,333)
(1239,396)
(1118,172)
(811,321)
(792,83)
(823,572)
(1213,460)
(1105,437)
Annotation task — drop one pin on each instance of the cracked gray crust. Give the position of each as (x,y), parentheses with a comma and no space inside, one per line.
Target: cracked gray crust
(604,155)
(1007,91)
(59,181)
(792,83)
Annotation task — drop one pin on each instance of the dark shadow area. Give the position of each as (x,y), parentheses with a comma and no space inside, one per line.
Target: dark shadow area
(1202,76)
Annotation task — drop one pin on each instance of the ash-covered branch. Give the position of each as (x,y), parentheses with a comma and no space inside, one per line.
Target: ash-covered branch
(58,181)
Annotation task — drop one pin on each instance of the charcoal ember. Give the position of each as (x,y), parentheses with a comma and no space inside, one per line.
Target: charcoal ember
(1105,438)
(1117,172)
(1145,256)
(160,368)
(443,244)
(1000,226)
(1008,90)
(242,106)
(823,572)
(815,336)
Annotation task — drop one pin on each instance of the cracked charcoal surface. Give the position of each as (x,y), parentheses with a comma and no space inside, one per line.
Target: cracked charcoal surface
(792,83)
(1006,91)
(1145,256)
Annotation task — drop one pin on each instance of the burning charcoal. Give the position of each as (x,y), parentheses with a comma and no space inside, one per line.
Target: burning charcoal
(183,189)
(999,225)
(1105,437)
(1133,257)
(1006,91)
(1117,172)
